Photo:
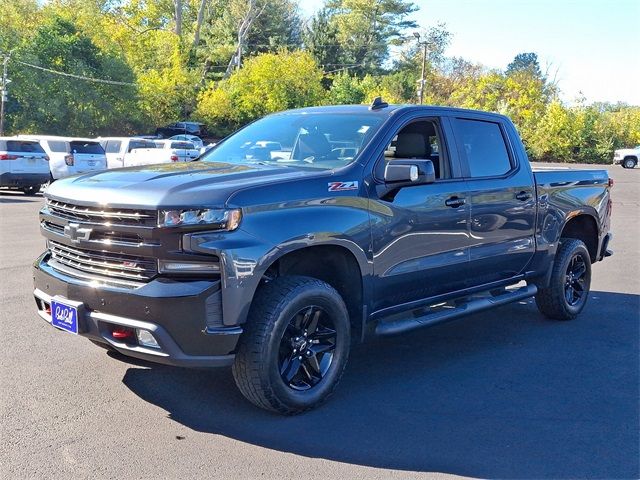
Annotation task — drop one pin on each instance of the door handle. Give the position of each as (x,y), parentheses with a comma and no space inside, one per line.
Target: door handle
(455,202)
(523,196)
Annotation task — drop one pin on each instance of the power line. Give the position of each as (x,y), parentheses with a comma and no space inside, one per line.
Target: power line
(79,77)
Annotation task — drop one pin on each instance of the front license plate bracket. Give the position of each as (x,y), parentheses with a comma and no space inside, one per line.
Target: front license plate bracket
(67,315)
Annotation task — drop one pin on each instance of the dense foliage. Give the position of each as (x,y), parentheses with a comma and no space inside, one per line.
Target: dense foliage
(227,62)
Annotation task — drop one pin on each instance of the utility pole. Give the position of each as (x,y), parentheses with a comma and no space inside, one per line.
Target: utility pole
(3,91)
(422,80)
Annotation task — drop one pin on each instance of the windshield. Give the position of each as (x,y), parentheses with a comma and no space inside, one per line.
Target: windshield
(318,140)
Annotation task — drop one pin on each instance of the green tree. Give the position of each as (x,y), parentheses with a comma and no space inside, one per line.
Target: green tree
(367,28)
(266,83)
(525,62)
(45,102)
(320,39)
(276,24)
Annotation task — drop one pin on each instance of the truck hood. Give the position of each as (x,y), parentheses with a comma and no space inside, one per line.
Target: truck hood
(627,151)
(169,185)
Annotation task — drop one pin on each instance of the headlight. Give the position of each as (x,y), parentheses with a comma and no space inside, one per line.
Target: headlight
(216,218)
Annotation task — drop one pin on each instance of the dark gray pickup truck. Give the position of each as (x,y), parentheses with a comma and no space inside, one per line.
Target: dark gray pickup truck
(312,229)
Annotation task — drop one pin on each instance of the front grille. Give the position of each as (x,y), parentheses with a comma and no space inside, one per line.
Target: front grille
(100,215)
(112,265)
(104,237)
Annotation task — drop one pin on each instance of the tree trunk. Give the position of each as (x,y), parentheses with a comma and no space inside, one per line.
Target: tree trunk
(178,17)
(199,20)
(243,31)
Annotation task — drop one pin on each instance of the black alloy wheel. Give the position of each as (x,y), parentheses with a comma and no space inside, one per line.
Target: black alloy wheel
(574,286)
(306,348)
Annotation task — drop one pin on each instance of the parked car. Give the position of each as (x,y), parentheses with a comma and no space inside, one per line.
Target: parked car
(123,151)
(181,128)
(276,267)
(70,155)
(24,165)
(181,151)
(627,157)
(197,141)
(207,147)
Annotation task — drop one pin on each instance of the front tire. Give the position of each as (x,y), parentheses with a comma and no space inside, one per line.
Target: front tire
(295,345)
(628,163)
(568,289)
(30,191)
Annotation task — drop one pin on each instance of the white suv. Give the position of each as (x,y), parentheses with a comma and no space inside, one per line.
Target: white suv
(627,157)
(24,165)
(70,155)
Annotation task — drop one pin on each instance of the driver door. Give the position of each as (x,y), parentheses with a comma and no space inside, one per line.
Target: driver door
(420,234)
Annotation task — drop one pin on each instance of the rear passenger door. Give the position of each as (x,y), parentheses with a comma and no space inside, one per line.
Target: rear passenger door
(501,198)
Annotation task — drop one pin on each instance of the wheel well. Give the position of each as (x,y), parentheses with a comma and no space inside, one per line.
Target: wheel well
(583,227)
(332,264)
(635,159)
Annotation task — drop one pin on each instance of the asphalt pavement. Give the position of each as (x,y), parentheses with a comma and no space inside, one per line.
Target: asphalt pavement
(502,394)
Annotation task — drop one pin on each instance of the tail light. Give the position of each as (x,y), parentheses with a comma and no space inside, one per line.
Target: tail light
(611,182)
(68,159)
(174,158)
(6,156)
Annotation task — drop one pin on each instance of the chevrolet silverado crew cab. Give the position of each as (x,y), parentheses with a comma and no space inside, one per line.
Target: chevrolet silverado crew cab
(364,221)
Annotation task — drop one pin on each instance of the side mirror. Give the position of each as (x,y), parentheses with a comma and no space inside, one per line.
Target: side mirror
(404,173)
(401,173)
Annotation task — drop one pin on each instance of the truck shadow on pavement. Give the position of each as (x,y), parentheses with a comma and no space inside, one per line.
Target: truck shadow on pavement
(502,394)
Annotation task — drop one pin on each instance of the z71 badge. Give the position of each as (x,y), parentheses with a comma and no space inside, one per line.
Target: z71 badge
(342,186)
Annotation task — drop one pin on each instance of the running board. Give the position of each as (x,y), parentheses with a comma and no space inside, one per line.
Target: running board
(469,307)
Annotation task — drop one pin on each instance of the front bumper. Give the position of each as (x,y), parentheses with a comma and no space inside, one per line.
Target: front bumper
(21,180)
(183,316)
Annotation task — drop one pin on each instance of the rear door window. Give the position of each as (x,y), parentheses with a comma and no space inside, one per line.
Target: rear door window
(113,146)
(92,148)
(58,146)
(133,144)
(22,146)
(484,146)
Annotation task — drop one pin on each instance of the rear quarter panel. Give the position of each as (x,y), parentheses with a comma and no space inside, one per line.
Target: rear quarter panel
(564,194)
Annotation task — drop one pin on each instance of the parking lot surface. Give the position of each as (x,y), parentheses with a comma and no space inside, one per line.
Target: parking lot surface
(503,394)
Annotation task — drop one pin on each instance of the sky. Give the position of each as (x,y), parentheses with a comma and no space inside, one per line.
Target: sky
(591,46)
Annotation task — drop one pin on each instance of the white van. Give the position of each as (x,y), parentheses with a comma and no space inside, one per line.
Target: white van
(24,165)
(70,155)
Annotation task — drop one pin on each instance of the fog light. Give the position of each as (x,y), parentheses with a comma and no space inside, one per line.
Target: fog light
(146,338)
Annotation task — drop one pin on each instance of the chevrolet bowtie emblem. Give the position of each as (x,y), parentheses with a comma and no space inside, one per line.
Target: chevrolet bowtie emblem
(74,232)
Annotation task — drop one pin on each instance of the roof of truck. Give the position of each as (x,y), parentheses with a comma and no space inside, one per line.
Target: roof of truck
(384,110)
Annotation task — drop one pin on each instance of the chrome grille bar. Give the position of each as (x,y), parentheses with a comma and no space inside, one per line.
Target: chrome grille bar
(104,263)
(101,215)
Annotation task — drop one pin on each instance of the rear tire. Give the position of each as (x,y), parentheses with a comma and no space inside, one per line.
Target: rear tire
(628,163)
(30,191)
(294,347)
(568,289)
